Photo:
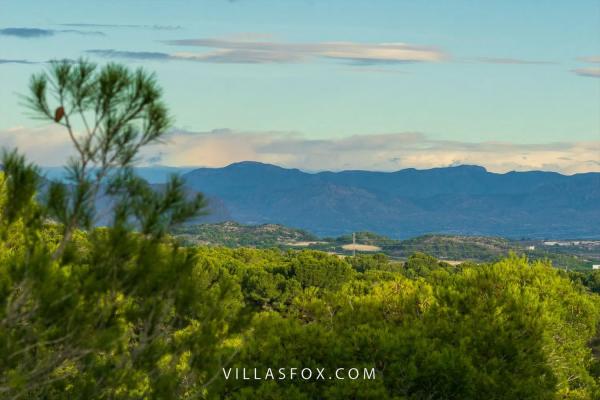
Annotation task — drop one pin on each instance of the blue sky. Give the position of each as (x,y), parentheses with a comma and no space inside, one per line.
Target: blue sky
(433,83)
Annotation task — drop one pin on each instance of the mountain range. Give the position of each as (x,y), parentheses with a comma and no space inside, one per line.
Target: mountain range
(465,200)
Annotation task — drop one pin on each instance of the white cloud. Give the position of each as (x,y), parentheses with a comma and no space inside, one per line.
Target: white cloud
(590,59)
(592,72)
(252,50)
(47,146)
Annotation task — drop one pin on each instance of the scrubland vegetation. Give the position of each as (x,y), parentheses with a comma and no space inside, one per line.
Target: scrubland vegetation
(121,315)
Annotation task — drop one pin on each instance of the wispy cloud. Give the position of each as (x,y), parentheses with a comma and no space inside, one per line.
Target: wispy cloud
(9,61)
(384,152)
(270,51)
(242,52)
(134,55)
(26,32)
(34,33)
(154,27)
(208,57)
(592,72)
(517,61)
(590,59)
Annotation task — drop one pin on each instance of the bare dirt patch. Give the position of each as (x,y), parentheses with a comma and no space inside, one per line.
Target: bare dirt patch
(361,247)
(302,244)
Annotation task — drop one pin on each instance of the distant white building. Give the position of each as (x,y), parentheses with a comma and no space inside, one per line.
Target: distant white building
(530,247)
(596,266)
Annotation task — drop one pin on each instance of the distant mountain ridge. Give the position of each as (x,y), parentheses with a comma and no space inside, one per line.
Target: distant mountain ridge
(455,200)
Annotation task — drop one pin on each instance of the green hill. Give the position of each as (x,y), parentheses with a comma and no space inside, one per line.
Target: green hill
(472,248)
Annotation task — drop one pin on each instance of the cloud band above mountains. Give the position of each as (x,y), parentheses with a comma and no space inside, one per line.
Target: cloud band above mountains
(382,152)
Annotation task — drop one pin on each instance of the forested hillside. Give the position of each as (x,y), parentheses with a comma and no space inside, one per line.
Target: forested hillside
(124,316)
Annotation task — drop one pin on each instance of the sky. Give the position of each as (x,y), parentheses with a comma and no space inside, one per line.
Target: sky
(331,84)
